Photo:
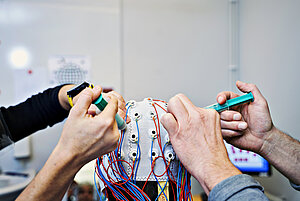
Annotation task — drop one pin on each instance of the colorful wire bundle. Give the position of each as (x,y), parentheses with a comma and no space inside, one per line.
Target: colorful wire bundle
(123,185)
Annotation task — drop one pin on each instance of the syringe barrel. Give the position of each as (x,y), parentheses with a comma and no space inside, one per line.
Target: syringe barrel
(232,102)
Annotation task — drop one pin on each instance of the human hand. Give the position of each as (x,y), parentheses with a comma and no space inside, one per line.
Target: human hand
(121,104)
(195,134)
(93,110)
(247,126)
(85,136)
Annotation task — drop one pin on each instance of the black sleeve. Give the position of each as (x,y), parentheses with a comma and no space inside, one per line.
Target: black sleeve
(34,114)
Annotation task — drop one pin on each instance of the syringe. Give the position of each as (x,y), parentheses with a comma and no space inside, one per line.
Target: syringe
(232,102)
(101,104)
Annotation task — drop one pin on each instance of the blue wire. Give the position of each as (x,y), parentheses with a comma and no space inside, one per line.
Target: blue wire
(109,184)
(123,130)
(136,188)
(133,189)
(162,191)
(178,180)
(113,164)
(120,166)
(130,185)
(138,151)
(164,147)
(97,187)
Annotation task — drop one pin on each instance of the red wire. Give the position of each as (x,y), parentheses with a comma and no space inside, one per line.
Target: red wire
(159,140)
(153,163)
(161,107)
(119,184)
(173,188)
(106,186)
(126,180)
(148,176)
(159,100)
(115,168)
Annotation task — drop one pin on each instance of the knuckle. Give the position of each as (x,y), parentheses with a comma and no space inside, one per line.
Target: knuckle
(253,86)
(98,87)
(226,115)
(172,102)
(107,123)
(87,92)
(180,95)
(202,115)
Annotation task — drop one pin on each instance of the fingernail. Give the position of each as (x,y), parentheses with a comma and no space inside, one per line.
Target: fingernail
(242,125)
(237,117)
(220,99)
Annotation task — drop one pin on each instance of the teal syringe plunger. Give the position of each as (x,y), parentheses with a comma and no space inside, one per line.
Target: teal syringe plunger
(232,102)
(101,104)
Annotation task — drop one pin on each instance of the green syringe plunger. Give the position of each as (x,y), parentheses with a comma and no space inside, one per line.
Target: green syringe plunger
(232,102)
(101,104)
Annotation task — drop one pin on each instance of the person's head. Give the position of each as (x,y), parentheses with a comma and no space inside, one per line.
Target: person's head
(85,192)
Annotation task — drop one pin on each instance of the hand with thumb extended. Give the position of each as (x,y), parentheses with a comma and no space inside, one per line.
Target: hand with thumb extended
(195,134)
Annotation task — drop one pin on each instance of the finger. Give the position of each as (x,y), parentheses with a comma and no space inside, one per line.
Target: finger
(227,134)
(121,101)
(245,87)
(96,93)
(109,111)
(123,114)
(121,104)
(230,115)
(225,95)
(93,110)
(186,102)
(169,123)
(84,101)
(177,109)
(234,125)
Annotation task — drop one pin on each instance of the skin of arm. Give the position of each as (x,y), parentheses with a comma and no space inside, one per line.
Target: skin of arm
(84,138)
(250,127)
(63,98)
(195,134)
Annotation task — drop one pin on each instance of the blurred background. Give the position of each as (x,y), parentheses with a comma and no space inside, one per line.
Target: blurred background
(143,48)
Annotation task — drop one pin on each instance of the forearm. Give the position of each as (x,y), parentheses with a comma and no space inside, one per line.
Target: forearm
(36,113)
(283,152)
(52,181)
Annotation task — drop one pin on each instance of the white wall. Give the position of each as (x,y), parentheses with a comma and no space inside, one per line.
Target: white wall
(64,27)
(49,28)
(171,47)
(160,48)
(270,48)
